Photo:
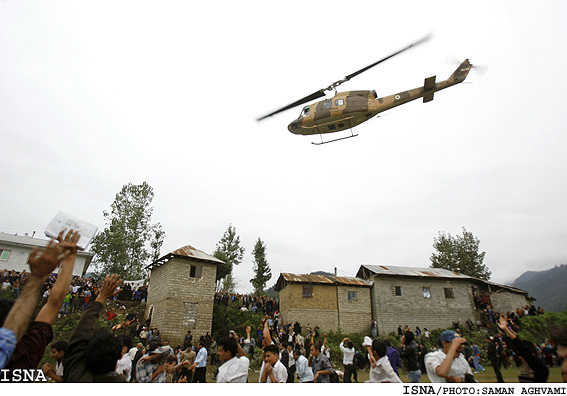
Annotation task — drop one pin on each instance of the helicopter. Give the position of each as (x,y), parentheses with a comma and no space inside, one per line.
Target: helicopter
(349,109)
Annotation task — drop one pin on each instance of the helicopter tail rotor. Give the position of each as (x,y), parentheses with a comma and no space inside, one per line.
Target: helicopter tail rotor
(480,69)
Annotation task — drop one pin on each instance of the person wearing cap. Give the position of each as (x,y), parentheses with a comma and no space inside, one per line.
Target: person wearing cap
(448,364)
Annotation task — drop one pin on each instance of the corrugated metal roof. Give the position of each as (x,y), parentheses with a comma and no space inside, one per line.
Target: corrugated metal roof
(190,251)
(330,280)
(429,272)
(414,271)
(185,251)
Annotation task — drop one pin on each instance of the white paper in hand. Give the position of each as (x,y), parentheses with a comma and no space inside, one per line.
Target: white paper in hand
(64,221)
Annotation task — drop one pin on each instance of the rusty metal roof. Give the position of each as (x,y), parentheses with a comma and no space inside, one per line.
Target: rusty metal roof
(190,251)
(323,279)
(186,251)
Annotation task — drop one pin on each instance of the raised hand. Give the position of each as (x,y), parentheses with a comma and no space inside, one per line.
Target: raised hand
(42,265)
(109,288)
(69,243)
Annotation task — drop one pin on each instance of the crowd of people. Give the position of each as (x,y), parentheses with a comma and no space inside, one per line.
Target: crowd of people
(80,293)
(248,302)
(290,351)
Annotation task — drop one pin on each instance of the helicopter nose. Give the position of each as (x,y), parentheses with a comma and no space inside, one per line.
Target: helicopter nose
(293,127)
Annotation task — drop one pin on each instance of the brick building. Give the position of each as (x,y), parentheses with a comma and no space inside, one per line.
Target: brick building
(426,297)
(433,297)
(331,302)
(181,293)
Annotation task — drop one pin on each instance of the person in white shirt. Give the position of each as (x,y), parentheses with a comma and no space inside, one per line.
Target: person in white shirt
(448,364)
(272,371)
(132,352)
(302,370)
(124,364)
(380,368)
(235,361)
(348,358)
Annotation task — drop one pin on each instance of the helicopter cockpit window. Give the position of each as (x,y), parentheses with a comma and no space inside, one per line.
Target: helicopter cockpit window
(305,112)
(327,104)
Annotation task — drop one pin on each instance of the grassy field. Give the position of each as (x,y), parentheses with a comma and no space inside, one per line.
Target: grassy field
(510,375)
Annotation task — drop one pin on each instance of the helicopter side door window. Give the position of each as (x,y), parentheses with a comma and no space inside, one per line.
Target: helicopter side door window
(305,112)
(327,104)
(339,102)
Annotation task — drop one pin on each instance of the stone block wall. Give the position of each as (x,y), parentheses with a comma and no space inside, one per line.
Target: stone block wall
(355,315)
(507,301)
(178,302)
(413,309)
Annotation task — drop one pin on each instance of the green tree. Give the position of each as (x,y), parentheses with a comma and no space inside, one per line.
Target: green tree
(228,249)
(261,268)
(129,240)
(229,284)
(461,254)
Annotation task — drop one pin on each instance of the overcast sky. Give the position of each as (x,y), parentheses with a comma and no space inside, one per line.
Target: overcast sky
(94,95)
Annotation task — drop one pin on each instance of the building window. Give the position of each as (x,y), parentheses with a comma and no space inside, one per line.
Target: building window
(190,314)
(195,271)
(351,295)
(307,290)
(397,290)
(426,292)
(4,255)
(449,292)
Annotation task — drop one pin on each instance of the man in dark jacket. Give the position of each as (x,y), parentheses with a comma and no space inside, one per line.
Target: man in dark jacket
(410,354)
(90,357)
(493,358)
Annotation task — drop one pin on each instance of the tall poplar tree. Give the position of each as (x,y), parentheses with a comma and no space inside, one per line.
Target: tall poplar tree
(129,240)
(261,268)
(460,254)
(228,249)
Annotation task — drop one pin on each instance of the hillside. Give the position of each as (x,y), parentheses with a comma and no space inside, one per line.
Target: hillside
(547,287)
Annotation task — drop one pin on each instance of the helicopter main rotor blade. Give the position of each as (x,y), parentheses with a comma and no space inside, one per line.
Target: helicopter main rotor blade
(321,92)
(308,98)
(356,73)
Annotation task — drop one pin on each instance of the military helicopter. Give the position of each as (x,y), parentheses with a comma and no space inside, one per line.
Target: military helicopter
(349,109)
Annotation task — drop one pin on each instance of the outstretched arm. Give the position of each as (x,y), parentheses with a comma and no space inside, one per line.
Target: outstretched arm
(503,325)
(241,351)
(443,369)
(109,288)
(41,267)
(48,313)
(266,333)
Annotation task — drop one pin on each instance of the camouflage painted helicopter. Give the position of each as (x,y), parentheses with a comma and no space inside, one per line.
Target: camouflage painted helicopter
(349,109)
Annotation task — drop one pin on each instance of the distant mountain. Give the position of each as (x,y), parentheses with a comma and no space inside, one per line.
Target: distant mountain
(547,287)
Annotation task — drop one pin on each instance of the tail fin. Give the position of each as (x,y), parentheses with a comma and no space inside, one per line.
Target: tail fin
(462,72)
(428,89)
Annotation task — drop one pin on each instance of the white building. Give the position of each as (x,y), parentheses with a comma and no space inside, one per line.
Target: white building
(15,251)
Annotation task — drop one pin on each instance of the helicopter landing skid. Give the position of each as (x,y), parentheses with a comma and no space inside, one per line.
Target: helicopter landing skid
(334,140)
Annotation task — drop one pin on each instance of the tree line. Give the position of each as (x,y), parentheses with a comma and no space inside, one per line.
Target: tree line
(130,241)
